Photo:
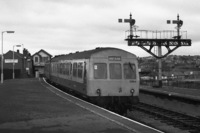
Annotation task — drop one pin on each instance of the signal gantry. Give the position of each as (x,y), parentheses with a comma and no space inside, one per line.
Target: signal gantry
(149,39)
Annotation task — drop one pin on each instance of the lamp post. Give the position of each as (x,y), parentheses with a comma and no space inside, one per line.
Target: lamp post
(14,60)
(2,53)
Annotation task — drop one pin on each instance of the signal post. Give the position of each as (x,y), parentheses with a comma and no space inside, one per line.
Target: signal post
(149,40)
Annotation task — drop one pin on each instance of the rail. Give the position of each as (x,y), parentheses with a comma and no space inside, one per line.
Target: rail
(178,120)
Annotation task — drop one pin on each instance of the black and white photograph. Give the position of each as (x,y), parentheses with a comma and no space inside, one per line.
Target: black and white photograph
(99,66)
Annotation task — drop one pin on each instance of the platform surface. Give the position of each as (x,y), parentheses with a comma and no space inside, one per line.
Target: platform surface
(30,105)
(175,91)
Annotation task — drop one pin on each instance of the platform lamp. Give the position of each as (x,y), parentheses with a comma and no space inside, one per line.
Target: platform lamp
(14,59)
(2,52)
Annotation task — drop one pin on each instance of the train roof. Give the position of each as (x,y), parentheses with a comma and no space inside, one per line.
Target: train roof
(84,54)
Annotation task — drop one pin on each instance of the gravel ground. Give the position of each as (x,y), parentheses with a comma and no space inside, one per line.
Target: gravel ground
(158,124)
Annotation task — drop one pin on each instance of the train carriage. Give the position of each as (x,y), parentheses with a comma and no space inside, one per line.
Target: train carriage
(107,76)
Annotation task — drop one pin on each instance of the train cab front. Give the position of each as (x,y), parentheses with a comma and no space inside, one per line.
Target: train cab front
(114,84)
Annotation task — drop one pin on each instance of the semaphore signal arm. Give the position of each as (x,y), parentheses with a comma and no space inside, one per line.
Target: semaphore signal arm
(148,39)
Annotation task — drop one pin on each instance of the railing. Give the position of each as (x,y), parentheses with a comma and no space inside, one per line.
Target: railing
(150,34)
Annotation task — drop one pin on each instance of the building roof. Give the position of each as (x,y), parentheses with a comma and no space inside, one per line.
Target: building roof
(16,54)
(37,53)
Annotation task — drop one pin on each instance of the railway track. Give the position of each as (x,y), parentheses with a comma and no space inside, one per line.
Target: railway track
(82,98)
(176,119)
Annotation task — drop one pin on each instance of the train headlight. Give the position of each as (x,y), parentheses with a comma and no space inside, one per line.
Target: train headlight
(98,92)
(132,91)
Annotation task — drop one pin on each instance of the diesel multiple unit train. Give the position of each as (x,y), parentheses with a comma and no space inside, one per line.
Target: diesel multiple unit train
(106,76)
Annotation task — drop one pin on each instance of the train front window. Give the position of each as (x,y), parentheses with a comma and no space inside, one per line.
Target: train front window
(100,71)
(129,71)
(115,71)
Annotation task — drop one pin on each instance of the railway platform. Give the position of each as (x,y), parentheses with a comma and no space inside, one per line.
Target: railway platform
(187,93)
(31,105)
(183,100)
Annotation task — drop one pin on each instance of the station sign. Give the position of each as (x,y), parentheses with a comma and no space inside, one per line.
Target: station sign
(11,61)
(114,58)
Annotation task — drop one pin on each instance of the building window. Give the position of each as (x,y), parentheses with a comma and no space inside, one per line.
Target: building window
(36,59)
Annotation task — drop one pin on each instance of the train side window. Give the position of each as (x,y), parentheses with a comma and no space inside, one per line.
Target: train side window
(55,69)
(58,69)
(80,70)
(85,73)
(75,69)
(61,68)
(115,71)
(52,68)
(129,71)
(67,68)
(64,68)
(70,69)
(100,71)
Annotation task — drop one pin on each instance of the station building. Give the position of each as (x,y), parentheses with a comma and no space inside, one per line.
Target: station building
(19,63)
(39,59)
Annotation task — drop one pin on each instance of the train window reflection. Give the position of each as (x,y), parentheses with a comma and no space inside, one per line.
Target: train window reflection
(115,71)
(100,71)
(129,71)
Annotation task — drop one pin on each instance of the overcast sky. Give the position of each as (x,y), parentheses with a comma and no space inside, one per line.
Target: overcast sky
(63,26)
